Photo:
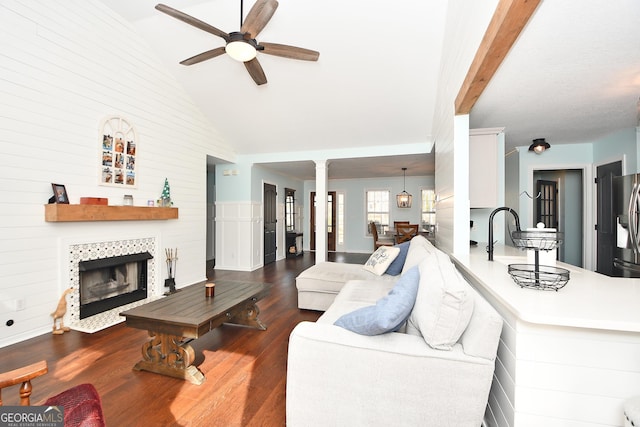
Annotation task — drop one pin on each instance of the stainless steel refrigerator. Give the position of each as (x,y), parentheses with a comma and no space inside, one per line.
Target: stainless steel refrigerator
(626,202)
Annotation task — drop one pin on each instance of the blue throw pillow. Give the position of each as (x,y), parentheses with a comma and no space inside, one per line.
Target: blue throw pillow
(389,313)
(395,267)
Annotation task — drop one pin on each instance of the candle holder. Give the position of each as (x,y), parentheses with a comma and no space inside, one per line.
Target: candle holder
(210,289)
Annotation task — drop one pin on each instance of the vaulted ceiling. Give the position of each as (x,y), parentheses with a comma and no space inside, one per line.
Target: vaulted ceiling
(572,76)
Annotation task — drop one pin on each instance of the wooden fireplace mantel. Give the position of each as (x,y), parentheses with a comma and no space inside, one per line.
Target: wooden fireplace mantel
(75,213)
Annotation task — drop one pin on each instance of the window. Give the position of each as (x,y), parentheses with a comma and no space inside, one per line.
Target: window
(329,210)
(547,204)
(378,209)
(340,219)
(428,215)
(289,209)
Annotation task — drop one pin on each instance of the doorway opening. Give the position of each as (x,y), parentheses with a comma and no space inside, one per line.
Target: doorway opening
(270,220)
(211,216)
(331,221)
(558,202)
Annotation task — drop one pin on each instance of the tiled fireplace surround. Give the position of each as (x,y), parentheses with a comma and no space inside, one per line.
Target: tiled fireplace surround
(78,252)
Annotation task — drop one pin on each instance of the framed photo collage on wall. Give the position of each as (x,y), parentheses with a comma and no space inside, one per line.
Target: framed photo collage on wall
(119,153)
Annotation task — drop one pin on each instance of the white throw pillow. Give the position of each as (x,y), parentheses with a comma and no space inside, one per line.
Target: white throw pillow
(381,259)
(444,304)
(419,249)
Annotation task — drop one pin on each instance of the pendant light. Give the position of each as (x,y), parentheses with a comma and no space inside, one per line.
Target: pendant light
(404,199)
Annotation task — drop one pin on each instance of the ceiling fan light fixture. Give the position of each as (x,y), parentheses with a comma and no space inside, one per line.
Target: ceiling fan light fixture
(539,146)
(241,50)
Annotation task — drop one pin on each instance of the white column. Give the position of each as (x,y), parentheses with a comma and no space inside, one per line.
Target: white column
(461,206)
(322,181)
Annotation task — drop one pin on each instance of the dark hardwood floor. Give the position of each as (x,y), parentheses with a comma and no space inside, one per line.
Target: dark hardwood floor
(245,368)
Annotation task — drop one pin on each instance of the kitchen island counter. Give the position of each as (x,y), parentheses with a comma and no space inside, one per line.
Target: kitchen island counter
(589,300)
(566,358)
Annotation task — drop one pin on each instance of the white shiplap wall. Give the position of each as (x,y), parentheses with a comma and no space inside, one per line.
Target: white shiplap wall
(64,66)
(557,377)
(466,24)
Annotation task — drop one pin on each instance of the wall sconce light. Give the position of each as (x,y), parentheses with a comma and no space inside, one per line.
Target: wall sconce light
(539,146)
(404,199)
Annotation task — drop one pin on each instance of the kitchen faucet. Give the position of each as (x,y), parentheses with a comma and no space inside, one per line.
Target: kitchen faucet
(503,208)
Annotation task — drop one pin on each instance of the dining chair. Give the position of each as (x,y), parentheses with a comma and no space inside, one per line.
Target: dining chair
(406,232)
(376,241)
(395,223)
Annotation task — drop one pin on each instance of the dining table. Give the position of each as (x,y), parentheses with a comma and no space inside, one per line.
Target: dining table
(391,233)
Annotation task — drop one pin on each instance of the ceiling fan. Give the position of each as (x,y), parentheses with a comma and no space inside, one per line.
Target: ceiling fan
(242,45)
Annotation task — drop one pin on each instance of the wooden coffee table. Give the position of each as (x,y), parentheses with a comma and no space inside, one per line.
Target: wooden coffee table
(174,321)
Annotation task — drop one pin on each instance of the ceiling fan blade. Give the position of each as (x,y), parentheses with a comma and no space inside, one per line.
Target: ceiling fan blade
(192,21)
(255,70)
(290,51)
(204,56)
(258,17)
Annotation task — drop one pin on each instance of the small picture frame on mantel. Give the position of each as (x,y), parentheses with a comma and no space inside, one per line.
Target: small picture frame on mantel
(59,194)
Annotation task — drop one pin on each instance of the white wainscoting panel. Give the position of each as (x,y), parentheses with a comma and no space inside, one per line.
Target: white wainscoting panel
(238,235)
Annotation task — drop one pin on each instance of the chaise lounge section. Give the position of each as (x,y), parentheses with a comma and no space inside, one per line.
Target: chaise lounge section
(319,285)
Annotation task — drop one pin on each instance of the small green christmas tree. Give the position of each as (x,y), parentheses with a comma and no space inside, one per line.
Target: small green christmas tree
(165,197)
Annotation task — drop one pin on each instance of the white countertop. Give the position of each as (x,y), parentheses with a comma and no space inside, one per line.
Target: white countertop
(589,300)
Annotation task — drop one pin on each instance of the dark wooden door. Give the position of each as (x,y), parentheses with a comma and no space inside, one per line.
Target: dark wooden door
(605,219)
(269,223)
(331,221)
(547,203)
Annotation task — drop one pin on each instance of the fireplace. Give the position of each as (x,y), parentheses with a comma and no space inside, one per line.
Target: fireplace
(107,283)
(98,250)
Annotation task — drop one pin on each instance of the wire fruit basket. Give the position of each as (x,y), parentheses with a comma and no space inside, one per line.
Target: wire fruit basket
(536,276)
(541,277)
(543,240)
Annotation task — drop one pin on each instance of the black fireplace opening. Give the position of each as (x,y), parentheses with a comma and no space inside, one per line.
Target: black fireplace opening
(112,282)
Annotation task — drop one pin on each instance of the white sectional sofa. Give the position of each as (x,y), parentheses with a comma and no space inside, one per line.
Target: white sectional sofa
(436,369)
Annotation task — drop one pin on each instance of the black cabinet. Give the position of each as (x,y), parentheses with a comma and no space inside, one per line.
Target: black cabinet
(294,244)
